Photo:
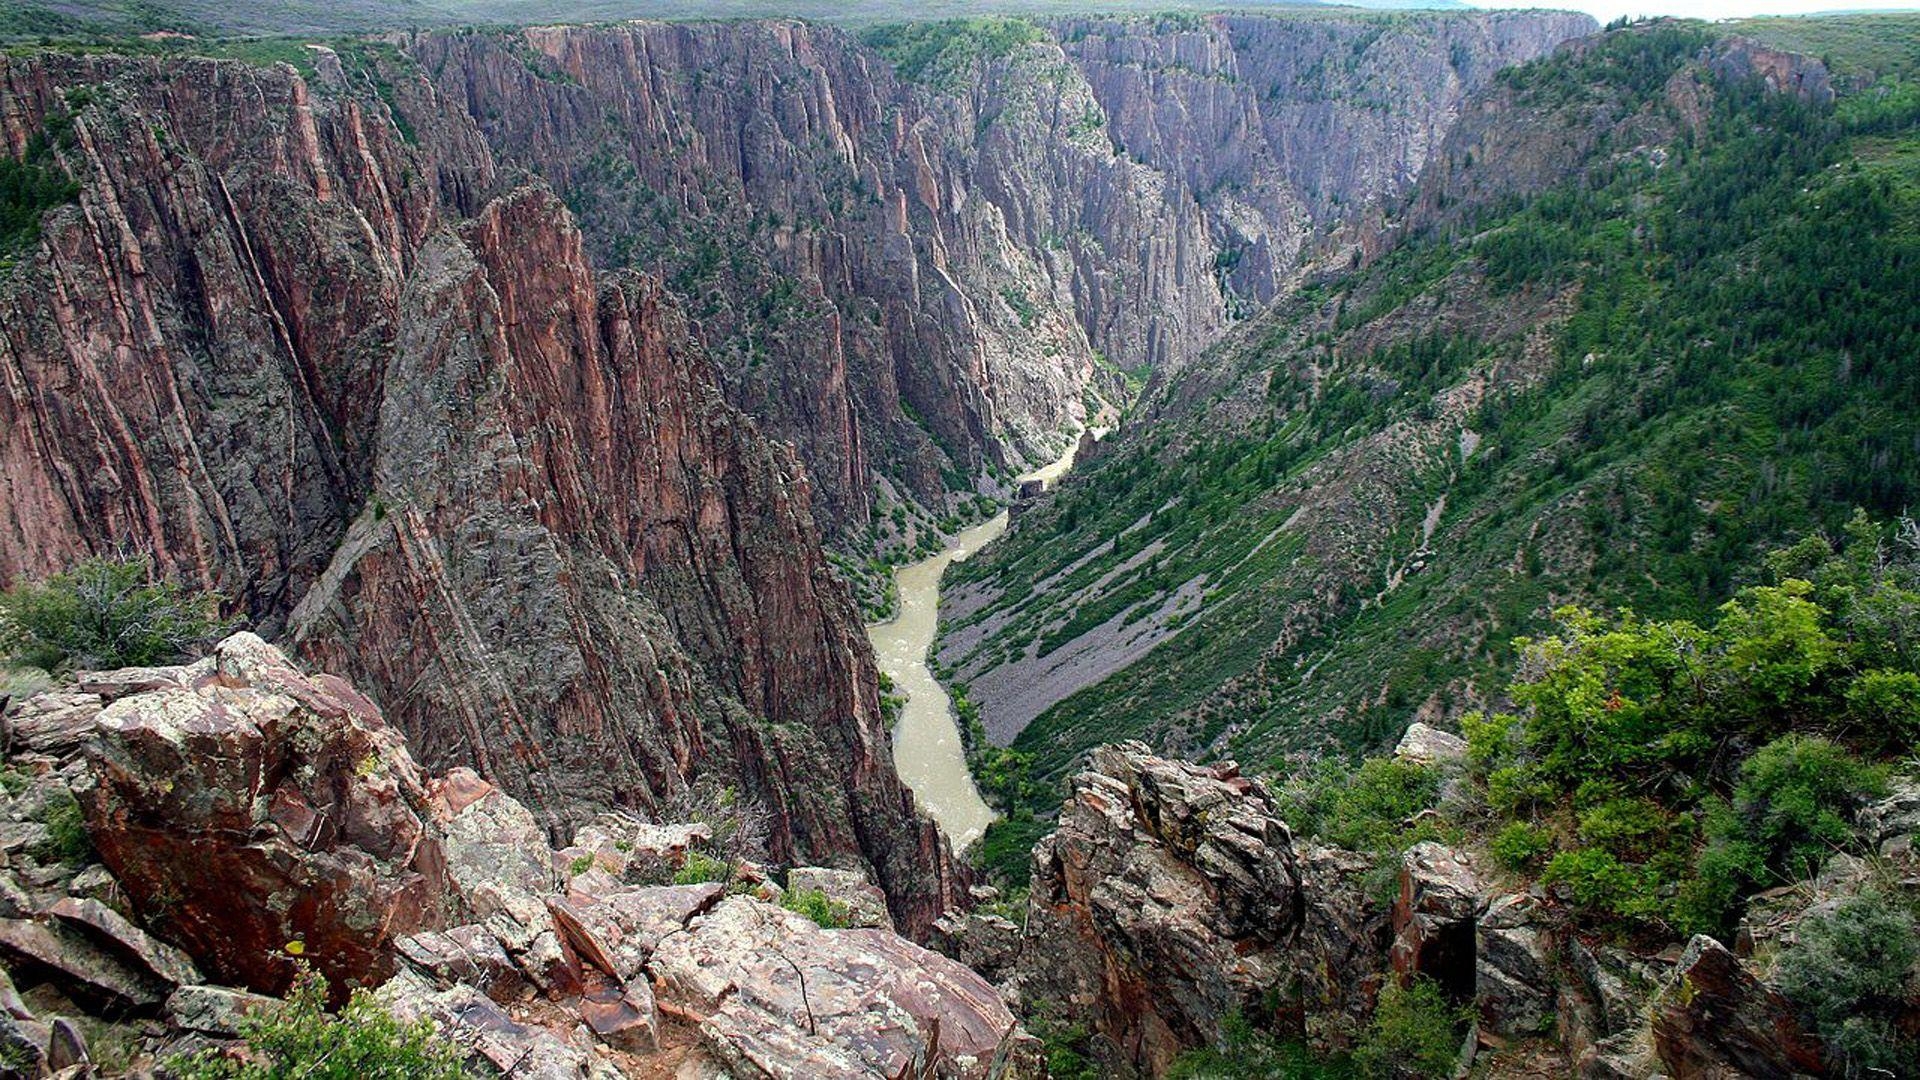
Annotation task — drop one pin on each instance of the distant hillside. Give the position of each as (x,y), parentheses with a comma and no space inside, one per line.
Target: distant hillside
(1652,313)
(83,18)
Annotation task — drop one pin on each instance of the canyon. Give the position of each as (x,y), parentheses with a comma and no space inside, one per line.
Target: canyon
(551,408)
(521,375)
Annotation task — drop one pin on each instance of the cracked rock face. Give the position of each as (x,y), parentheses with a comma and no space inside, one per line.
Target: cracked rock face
(387,406)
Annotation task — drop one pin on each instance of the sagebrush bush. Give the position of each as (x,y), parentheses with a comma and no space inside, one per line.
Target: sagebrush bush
(105,613)
(701,868)
(1851,971)
(67,840)
(299,1040)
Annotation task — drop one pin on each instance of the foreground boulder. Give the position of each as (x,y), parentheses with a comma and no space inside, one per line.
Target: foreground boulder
(256,817)
(249,817)
(1173,897)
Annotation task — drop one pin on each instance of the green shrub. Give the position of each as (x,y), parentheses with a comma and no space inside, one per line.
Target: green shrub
(1376,809)
(299,1039)
(105,613)
(29,187)
(1886,705)
(1247,1053)
(67,840)
(1630,752)
(1521,845)
(1067,1046)
(1416,1032)
(816,905)
(1851,971)
(1796,800)
(701,868)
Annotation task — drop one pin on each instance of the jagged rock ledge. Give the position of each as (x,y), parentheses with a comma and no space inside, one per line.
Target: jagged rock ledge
(249,819)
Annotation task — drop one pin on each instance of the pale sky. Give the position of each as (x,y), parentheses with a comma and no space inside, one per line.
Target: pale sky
(1607,10)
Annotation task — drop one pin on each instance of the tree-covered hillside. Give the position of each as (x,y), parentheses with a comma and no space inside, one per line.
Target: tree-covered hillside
(1650,317)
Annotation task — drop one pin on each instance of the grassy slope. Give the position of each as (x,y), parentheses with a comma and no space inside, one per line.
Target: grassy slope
(1724,360)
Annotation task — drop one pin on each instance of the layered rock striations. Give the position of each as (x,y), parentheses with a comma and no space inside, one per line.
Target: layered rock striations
(912,280)
(436,451)
(317,341)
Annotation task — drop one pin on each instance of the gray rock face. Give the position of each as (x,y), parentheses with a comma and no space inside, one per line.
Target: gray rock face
(1514,979)
(1424,744)
(1435,917)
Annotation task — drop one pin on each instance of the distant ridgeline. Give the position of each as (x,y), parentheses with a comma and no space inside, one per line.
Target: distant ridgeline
(1651,313)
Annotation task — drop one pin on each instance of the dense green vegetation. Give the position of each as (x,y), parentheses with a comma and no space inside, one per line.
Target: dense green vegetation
(1665,770)
(818,906)
(1653,776)
(299,1038)
(1374,808)
(1727,367)
(105,613)
(31,185)
(941,51)
(1415,1035)
(1850,968)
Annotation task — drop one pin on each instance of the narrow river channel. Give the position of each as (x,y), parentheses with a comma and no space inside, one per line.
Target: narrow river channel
(926,742)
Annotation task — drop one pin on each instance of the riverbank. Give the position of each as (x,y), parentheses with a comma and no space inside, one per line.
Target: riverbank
(927,749)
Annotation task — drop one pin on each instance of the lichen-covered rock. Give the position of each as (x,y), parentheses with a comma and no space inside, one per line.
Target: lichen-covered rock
(1514,979)
(1717,1021)
(493,1040)
(775,995)
(262,816)
(988,944)
(1424,744)
(1434,917)
(214,1010)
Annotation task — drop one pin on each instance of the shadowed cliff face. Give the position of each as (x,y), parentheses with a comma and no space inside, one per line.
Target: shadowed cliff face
(439,456)
(911,281)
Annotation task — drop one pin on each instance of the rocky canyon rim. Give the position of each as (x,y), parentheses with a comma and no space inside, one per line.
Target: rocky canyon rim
(926,742)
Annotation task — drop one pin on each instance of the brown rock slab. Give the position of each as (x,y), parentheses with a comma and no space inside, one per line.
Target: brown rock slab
(1717,1021)
(213,1010)
(81,968)
(118,935)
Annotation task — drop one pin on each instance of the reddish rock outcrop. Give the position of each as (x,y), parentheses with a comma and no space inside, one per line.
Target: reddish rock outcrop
(259,817)
(1717,1020)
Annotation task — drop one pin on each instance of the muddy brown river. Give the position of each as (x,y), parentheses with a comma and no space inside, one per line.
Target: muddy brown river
(926,741)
